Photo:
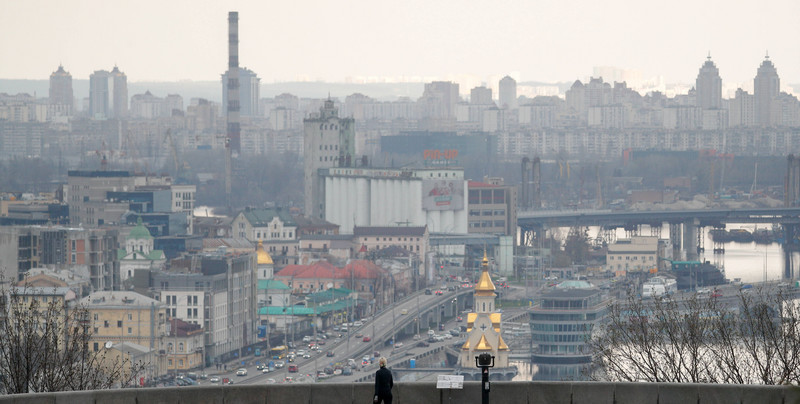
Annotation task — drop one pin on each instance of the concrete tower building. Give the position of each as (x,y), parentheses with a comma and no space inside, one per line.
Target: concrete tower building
(766,86)
(480,96)
(61,90)
(709,86)
(108,94)
(508,93)
(329,141)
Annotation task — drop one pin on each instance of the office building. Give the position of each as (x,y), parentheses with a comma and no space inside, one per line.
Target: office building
(561,326)
(492,207)
(108,94)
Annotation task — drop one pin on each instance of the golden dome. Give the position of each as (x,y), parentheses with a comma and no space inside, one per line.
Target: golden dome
(263,256)
(485,286)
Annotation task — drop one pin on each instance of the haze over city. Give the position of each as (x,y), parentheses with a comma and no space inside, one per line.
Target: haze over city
(400,41)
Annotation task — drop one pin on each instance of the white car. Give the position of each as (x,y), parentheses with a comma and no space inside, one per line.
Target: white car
(265,370)
(241,372)
(214,379)
(357,324)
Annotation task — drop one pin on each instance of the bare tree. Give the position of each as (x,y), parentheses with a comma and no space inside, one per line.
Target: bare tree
(752,338)
(44,346)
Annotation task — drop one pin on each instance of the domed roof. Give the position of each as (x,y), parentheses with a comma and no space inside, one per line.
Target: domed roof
(139,232)
(263,256)
(485,286)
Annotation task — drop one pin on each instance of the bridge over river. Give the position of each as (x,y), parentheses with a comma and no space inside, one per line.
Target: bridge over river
(686,226)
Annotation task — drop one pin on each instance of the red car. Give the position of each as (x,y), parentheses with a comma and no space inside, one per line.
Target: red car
(292,368)
(366,339)
(439,292)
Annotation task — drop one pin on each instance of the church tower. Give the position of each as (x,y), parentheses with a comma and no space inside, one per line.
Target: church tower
(265,266)
(483,325)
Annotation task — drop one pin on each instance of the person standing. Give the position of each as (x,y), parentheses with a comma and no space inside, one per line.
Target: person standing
(383,384)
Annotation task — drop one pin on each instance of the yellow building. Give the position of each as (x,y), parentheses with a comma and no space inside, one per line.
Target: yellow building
(184,346)
(121,316)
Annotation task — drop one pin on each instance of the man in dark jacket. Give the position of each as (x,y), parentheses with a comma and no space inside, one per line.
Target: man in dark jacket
(383,384)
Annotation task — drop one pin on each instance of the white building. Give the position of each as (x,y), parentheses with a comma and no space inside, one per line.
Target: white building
(432,197)
(633,255)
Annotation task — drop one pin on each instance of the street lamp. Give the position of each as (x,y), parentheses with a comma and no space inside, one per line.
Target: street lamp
(484,361)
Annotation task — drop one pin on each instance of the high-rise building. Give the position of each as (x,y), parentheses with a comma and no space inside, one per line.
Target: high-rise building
(248,92)
(61,89)
(439,99)
(108,94)
(480,96)
(742,109)
(329,142)
(766,86)
(508,93)
(709,86)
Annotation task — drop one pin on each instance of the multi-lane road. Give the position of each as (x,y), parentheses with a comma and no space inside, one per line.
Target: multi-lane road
(383,327)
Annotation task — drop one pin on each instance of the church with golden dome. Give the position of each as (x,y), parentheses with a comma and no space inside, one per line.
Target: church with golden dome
(484,325)
(265,267)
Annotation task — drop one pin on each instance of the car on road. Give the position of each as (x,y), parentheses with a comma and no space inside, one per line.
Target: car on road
(347,371)
(214,379)
(428,292)
(404,312)
(329,354)
(359,335)
(279,364)
(376,354)
(241,372)
(321,342)
(357,323)
(423,344)
(398,345)
(306,355)
(265,370)
(439,293)
(366,338)
(292,369)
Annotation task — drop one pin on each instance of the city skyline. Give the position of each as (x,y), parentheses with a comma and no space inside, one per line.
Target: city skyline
(292,42)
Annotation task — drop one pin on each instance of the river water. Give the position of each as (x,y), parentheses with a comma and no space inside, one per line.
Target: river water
(750,262)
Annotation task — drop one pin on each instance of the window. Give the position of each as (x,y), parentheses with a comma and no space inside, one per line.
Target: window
(96,346)
(105,324)
(130,330)
(130,317)
(95,316)
(180,347)
(119,324)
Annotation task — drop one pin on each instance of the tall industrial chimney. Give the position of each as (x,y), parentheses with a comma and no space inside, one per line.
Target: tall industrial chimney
(234,138)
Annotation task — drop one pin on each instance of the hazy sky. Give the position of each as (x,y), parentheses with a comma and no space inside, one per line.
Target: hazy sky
(542,40)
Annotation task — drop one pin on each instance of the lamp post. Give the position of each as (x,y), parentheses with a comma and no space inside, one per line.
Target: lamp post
(484,361)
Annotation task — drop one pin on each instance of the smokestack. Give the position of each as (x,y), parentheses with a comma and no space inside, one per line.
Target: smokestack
(233,141)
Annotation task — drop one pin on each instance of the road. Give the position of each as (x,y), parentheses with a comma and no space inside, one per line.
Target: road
(381,328)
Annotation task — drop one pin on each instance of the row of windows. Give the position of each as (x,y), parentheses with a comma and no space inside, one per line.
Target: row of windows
(477,212)
(487,196)
(559,337)
(563,349)
(173,300)
(487,223)
(629,258)
(560,327)
(390,239)
(333,147)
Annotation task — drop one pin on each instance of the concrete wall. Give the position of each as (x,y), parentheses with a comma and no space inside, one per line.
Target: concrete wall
(413,393)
